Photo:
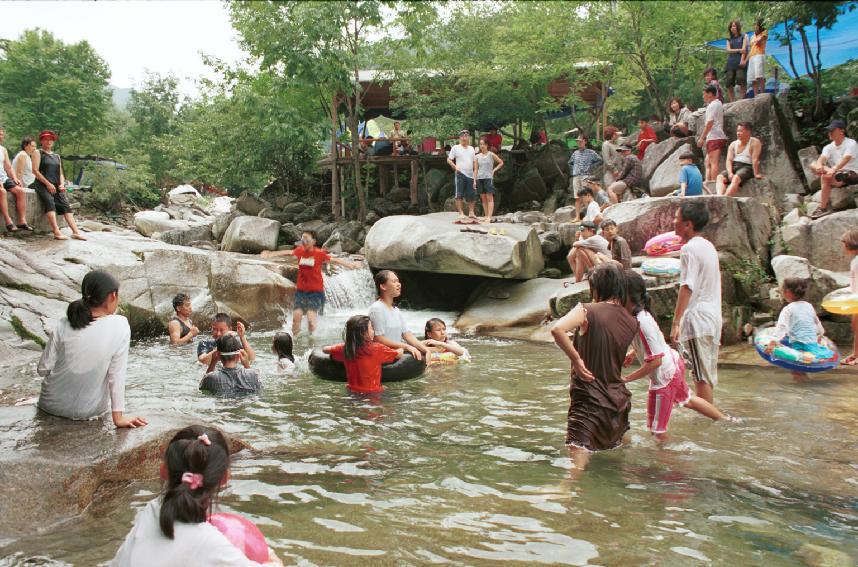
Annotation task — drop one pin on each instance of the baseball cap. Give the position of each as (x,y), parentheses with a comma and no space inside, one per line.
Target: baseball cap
(587,224)
(48,134)
(464,133)
(836,124)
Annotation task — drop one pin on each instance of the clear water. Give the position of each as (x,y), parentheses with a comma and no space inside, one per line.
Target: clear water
(466,466)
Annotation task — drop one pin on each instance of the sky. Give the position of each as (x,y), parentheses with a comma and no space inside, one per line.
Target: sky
(135,36)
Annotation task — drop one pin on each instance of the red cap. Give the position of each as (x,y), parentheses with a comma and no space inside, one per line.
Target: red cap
(48,134)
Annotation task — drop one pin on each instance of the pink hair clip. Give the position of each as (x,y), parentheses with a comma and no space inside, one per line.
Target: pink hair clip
(204,439)
(193,479)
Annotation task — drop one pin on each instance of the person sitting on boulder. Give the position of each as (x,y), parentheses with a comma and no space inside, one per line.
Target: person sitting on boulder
(180,328)
(588,251)
(231,381)
(678,118)
(619,247)
(712,138)
(836,167)
(592,211)
(10,181)
(630,176)
(599,195)
(207,351)
(710,77)
(582,163)
(646,136)
(310,293)
(690,180)
(743,161)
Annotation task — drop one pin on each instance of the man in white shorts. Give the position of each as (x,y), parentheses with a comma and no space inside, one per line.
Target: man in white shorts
(697,318)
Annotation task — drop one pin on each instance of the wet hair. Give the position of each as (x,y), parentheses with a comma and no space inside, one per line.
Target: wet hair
(796,286)
(670,104)
(738,28)
(355,335)
(312,234)
(695,212)
(610,131)
(711,90)
(179,300)
(585,191)
(711,71)
(608,223)
(607,282)
(381,279)
(429,324)
(94,289)
(282,345)
(850,239)
(223,318)
(229,343)
(747,126)
(26,141)
(638,298)
(187,453)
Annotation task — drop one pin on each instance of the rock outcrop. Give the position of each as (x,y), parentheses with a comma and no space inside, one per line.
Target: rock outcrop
(34,213)
(251,235)
(665,178)
(820,282)
(501,304)
(432,243)
(819,240)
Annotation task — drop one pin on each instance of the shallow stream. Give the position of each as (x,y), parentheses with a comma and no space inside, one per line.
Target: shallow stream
(466,466)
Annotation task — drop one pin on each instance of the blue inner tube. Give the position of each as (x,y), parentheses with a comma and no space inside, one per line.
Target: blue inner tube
(785,356)
(405,368)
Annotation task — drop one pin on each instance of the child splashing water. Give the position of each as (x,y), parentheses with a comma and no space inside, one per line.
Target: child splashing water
(173,530)
(362,355)
(663,365)
(799,323)
(282,347)
(441,349)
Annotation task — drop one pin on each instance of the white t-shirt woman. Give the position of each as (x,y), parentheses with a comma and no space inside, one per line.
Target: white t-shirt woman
(23,166)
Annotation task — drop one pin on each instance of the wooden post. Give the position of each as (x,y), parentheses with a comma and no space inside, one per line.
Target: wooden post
(336,210)
(395,176)
(382,180)
(413,181)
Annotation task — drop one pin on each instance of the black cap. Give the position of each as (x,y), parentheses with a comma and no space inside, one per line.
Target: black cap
(836,124)
(587,224)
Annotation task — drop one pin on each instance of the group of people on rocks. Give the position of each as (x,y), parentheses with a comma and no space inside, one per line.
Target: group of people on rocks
(42,170)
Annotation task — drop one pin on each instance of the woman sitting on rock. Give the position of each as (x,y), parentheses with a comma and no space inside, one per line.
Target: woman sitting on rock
(85,360)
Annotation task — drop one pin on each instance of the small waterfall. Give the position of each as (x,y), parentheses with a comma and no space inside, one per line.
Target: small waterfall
(349,290)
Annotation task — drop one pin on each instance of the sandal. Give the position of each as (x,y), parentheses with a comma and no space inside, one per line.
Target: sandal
(11,228)
(26,227)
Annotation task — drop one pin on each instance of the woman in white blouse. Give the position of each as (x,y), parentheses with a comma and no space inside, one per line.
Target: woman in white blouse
(23,162)
(86,358)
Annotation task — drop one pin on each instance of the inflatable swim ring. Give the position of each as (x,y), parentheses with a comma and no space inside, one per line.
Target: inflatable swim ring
(661,267)
(405,368)
(662,244)
(792,359)
(447,358)
(841,302)
(243,534)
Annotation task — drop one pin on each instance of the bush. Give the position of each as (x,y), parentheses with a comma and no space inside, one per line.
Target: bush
(112,187)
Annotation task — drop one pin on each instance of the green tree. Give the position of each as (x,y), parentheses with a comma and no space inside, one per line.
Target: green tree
(154,110)
(47,84)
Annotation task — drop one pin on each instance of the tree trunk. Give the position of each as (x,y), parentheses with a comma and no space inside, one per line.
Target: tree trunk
(353,124)
(336,211)
(788,34)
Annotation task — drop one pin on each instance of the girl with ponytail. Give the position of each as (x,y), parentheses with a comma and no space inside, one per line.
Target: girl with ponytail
(173,530)
(84,363)
(663,366)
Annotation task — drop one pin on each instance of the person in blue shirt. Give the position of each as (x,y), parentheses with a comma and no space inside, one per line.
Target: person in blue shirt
(690,180)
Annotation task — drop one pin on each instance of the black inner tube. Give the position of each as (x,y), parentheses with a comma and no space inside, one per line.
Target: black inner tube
(405,368)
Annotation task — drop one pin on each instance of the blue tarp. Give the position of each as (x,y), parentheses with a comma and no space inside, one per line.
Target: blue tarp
(839,44)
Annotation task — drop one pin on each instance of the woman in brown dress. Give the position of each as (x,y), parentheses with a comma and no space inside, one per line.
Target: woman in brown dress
(603,330)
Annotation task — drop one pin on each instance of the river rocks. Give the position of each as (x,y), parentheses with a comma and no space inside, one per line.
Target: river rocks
(251,235)
(820,556)
(551,243)
(567,297)
(665,177)
(564,214)
(657,153)
(53,469)
(432,243)
(819,239)
(550,162)
(92,226)
(35,213)
(529,186)
(841,198)
(807,156)
(250,204)
(820,282)
(149,222)
(435,179)
(221,223)
(501,304)
(740,226)
(188,235)
(347,238)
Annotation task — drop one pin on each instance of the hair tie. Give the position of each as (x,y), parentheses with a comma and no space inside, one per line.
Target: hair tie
(195,480)
(204,439)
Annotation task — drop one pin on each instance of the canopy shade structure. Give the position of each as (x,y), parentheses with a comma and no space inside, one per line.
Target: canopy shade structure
(839,44)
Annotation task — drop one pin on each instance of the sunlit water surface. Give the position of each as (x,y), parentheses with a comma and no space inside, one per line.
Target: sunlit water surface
(466,466)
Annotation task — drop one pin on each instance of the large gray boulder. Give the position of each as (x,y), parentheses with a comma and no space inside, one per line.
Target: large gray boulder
(662,298)
(665,178)
(148,223)
(820,282)
(503,304)
(550,161)
(432,243)
(807,156)
(34,212)
(779,158)
(529,186)
(188,235)
(740,226)
(250,204)
(251,235)
(657,153)
(819,240)
(347,238)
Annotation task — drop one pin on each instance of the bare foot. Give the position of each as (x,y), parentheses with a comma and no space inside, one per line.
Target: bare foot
(60,236)
(78,236)
(851,360)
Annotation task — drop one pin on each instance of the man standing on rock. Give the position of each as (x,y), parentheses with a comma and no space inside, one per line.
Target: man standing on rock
(697,318)
(836,167)
(713,135)
(461,159)
(743,161)
(310,292)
